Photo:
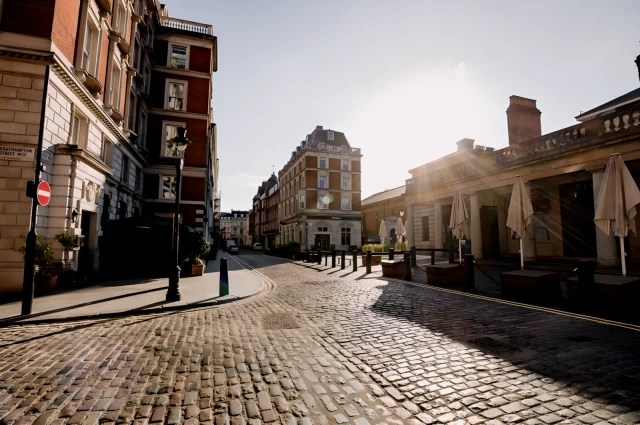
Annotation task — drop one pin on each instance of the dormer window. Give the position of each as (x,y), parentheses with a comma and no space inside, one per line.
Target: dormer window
(330,135)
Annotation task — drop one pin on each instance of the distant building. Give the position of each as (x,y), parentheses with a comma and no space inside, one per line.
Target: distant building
(389,204)
(263,217)
(234,226)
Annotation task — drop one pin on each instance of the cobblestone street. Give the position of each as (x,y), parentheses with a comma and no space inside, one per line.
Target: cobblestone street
(324,346)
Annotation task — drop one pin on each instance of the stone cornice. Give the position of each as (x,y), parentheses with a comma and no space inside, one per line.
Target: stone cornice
(85,156)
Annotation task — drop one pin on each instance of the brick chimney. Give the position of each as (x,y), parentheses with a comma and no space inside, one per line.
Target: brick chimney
(523,119)
(465,145)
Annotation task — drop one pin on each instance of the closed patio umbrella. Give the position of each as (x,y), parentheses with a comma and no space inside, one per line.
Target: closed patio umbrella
(382,232)
(400,228)
(617,201)
(520,213)
(458,221)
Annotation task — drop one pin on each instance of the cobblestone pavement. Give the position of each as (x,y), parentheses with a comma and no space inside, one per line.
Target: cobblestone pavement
(324,347)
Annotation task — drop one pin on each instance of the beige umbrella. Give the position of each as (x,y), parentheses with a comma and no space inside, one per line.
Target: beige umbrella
(400,228)
(520,213)
(458,221)
(617,201)
(382,232)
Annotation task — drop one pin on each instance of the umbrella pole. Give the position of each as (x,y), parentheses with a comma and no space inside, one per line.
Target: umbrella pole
(460,251)
(624,262)
(521,256)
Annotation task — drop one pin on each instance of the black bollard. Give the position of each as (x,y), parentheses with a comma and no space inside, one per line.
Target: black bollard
(469,281)
(342,259)
(319,257)
(451,256)
(414,260)
(433,257)
(391,253)
(586,283)
(326,258)
(224,278)
(368,262)
(407,265)
(333,258)
(354,262)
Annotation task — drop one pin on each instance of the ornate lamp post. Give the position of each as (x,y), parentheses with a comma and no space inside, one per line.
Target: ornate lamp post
(181,142)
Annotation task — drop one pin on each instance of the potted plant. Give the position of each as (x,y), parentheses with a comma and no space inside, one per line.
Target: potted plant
(45,275)
(197,266)
(376,260)
(198,250)
(68,242)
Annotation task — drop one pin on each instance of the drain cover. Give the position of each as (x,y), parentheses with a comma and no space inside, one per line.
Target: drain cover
(494,346)
(275,321)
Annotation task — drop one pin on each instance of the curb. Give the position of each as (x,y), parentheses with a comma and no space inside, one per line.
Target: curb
(134,313)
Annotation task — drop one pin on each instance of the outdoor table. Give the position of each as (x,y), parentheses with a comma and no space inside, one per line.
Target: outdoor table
(536,283)
(444,274)
(609,290)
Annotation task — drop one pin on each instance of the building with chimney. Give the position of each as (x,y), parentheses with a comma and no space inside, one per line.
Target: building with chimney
(562,170)
(320,193)
(116,77)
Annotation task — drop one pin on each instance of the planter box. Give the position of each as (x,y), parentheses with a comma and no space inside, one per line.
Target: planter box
(530,283)
(393,268)
(376,260)
(609,291)
(445,274)
(197,269)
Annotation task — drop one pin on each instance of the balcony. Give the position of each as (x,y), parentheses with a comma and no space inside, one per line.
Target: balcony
(189,26)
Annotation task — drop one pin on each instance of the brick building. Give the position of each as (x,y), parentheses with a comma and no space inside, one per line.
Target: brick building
(234,227)
(380,206)
(320,193)
(263,217)
(121,73)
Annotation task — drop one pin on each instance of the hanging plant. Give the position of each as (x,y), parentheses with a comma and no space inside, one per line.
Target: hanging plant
(68,241)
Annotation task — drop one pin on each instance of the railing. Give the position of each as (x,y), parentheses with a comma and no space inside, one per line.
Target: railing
(181,24)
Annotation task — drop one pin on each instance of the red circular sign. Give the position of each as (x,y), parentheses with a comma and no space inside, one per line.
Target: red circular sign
(43,193)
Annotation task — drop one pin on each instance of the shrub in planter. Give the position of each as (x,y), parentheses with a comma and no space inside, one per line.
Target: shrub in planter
(45,272)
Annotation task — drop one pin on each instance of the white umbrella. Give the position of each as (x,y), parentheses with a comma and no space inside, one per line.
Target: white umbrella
(382,232)
(400,228)
(458,221)
(617,201)
(520,213)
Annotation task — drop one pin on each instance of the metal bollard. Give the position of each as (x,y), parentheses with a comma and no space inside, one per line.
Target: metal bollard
(391,253)
(368,262)
(407,265)
(333,258)
(414,260)
(326,258)
(224,278)
(319,257)
(451,256)
(342,259)
(469,280)
(433,257)
(586,283)
(354,262)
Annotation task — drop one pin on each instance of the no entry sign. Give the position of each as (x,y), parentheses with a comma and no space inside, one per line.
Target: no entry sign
(43,193)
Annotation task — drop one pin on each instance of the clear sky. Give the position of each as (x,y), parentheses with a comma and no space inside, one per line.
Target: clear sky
(403,79)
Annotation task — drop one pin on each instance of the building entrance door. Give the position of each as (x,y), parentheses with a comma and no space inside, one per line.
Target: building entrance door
(85,258)
(577,212)
(490,233)
(322,242)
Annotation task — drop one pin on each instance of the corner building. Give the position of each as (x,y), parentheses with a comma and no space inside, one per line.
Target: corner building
(320,193)
(121,72)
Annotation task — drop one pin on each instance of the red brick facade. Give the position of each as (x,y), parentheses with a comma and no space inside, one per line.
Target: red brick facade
(200,59)
(65,27)
(28,17)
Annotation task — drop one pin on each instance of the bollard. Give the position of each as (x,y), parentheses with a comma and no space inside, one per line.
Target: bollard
(469,278)
(224,278)
(451,256)
(586,283)
(391,253)
(354,262)
(326,258)
(407,265)
(368,262)
(433,257)
(319,257)
(414,260)
(342,259)
(333,258)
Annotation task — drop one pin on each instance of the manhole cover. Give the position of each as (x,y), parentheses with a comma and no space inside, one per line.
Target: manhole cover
(280,321)
(493,346)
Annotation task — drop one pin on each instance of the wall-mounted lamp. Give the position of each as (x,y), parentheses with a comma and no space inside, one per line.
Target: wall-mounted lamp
(74,216)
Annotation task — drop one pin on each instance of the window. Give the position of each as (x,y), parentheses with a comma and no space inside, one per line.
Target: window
(136,54)
(322,182)
(322,229)
(168,187)
(302,186)
(302,202)
(323,202)
(330,135)
(138,179)
(346,203)
(104,147)
(75,131)
(322,162)
(114,87)
(122,19)
(170,132)
(122,211)
(345,165)
(345,183)
(132,111)
(142,131)
(147,79)
(425,228)
(175,96)
(125,170)
(345,234)
(178,57)
(106,204)
(86,51)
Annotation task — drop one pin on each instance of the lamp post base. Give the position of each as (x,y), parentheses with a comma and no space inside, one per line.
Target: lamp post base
(173,293)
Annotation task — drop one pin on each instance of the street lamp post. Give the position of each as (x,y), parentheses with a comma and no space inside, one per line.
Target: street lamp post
(181,143)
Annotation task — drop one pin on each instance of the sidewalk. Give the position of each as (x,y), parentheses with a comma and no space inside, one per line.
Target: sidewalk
(137,295)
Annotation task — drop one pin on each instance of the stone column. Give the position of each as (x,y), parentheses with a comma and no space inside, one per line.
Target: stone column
(437,214)
(528,242)
(476,232)
(411,240)
(605,245)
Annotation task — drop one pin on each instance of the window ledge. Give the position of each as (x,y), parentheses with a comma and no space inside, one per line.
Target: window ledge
(104,5)
(121,41)
(90,82)
(114,113)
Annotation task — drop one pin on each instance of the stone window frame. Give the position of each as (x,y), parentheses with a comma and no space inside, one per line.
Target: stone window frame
(170,51)
(342,199)
(163,147)
(185,92)
(161,187)
(320,202)
(94,49)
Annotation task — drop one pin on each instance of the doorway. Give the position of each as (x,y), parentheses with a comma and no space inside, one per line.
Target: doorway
(577,212)
(87,250)
(322,242)
(490,232)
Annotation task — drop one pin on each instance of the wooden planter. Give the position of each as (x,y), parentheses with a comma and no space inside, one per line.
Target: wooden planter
(197,269)
(537,284)
(376,260)
(393,268)
(445,274)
